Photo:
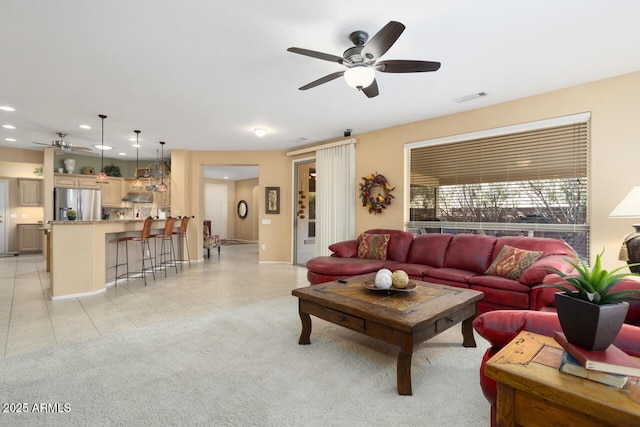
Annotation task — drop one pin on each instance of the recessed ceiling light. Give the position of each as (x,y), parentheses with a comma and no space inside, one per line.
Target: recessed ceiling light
(226,177)
(132,138)
(122,154)
(260,131)
(84,127)
(10,139)
(7,108)
(8,126)
(136,145)
(103,147)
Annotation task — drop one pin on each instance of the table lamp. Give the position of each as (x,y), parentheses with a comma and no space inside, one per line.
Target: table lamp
(629,207)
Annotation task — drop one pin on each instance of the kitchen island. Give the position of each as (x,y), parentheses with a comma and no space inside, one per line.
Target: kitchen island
(83,254)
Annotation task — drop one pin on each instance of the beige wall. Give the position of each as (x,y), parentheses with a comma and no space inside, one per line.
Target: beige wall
(614,107)
(613,104)
(246,229)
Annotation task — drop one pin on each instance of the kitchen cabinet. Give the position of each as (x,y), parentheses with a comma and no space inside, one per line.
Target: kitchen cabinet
(30,191)
(112,193)
(65,180)
(29,238)
(163,200)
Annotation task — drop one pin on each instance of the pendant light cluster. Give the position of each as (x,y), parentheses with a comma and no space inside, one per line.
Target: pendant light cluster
(137,184)
(102,177)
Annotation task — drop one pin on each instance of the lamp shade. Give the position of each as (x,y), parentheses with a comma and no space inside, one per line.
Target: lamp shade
(629,207)
(360,76)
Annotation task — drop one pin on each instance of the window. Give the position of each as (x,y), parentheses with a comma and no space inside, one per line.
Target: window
(527,180)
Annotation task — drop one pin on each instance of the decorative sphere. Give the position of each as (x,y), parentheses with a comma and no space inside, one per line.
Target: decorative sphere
(383,279)
(400,279)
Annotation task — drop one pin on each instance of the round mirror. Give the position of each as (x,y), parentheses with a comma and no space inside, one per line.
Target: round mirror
(242,209)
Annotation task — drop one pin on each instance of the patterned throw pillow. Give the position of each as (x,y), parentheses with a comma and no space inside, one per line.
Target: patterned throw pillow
(373,246)
(512,262)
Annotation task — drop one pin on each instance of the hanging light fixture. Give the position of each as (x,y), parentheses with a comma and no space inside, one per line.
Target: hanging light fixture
(162,187)
(137,184)
(102,177)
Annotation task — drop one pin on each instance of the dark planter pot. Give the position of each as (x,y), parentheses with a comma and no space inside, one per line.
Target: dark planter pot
(590,325)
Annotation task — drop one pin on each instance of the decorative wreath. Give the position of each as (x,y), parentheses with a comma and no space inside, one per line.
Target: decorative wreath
(375,193)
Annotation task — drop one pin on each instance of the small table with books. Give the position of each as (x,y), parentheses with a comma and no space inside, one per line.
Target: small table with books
(533,392)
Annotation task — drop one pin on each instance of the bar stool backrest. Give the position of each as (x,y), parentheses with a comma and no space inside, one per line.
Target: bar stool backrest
(168,226)
(183,224)
(146,227)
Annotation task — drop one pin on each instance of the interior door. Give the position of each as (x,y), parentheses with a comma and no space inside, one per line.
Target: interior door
(215,208)
(305,212)
(4,205)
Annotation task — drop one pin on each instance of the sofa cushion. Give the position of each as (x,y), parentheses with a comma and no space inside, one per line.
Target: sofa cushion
(512,262)
(344,267)
(399,243)
(348,249)
(470,252)
(503,297)
(429,249)
(373,246)
(415,271)
(542,268)
(452,274)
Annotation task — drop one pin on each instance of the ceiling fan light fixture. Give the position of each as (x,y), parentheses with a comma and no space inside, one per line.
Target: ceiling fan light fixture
(360,76)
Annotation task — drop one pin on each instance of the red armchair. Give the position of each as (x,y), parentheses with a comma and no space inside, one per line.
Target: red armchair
(500,327)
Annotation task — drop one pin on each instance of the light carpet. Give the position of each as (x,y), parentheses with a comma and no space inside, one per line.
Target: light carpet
(244,367)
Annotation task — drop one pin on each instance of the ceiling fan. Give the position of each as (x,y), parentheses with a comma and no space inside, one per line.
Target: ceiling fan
(361,60)
(62,146)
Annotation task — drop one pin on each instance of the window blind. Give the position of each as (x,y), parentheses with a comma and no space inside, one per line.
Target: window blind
(532,182)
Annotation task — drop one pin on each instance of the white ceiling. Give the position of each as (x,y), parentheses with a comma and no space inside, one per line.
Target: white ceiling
(202,74)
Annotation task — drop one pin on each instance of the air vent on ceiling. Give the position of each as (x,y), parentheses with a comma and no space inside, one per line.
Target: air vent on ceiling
(470,97)
(297,140)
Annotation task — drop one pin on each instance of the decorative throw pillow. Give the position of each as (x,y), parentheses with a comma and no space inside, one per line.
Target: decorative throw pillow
(512,262)
(373,246)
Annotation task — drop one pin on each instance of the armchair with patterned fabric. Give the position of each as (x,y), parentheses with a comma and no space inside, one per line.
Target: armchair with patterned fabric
(210,241)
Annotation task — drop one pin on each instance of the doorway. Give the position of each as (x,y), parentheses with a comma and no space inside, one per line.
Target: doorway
(305,211)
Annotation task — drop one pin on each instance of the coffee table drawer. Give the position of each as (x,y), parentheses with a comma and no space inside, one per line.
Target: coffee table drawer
(333,316)
(454,318)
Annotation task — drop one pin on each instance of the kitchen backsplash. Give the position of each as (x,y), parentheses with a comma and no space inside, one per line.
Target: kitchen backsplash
(140,211)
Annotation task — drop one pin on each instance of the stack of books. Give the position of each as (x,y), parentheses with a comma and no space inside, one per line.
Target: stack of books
(610,366)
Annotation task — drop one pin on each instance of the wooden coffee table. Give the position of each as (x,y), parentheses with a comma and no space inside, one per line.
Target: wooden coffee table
(403,319)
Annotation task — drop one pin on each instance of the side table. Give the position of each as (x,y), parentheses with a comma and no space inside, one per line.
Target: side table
(532,392)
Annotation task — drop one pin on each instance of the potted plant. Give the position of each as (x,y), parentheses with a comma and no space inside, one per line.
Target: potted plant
(71,215)
(592,314)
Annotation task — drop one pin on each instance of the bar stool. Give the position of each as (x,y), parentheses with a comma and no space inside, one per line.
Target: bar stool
(146,255)
(167,256)
(182,240)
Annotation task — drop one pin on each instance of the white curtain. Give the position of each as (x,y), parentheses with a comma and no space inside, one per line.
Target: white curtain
(335,195)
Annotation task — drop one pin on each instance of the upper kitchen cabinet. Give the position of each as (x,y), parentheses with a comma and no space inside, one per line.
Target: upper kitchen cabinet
(65,180)
(163,199)
(113,192)
(30,191)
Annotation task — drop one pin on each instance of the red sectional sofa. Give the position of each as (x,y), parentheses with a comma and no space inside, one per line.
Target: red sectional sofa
(457,260)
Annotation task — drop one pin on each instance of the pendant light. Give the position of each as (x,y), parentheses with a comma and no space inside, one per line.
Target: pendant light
(137,184)
(162,187)
(102,177)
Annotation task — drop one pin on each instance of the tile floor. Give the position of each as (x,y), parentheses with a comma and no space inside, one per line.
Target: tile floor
(30,320)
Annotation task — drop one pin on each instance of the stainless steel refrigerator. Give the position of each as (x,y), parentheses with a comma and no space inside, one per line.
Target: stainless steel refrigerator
(87,203)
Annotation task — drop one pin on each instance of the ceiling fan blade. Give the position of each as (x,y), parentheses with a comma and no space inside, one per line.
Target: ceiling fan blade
(40,143)
(380,43)
(314,54)
(83,150)
(401,66)
(371,90)
(322,80)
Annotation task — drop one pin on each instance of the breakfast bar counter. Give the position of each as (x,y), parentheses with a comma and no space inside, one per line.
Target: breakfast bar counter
(83,253)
